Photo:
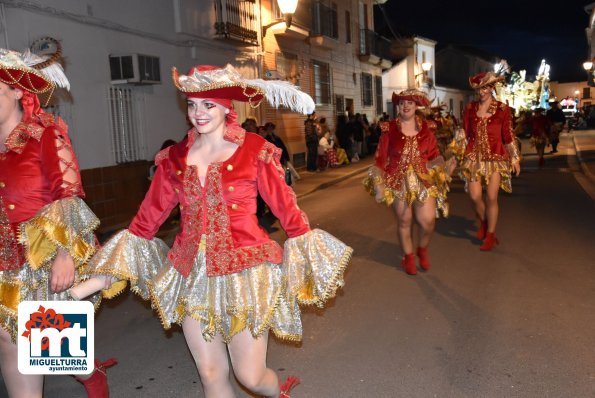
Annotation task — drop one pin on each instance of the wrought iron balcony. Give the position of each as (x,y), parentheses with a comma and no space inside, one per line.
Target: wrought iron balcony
(374,47)
(236,21)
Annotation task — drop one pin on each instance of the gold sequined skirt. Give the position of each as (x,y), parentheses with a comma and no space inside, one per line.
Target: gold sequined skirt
(67,224)
(260,298)
(481,170)
(413,188)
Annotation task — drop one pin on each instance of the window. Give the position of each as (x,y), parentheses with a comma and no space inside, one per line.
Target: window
(347,27)
(586,92)
(287,67)
(124,125)
(366,80)
(451,104)
(461,109)
(321,76)
(324,20)
(378,92)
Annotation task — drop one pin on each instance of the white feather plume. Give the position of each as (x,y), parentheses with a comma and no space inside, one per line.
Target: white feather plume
(52,72)
(279,92)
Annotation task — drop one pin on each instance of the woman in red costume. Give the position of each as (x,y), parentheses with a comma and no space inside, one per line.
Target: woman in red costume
(224,280)
(46,230)
(540,132)
(409,174)
(491,154)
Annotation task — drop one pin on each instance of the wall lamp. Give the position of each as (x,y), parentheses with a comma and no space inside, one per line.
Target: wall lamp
(287,8)
(425,68)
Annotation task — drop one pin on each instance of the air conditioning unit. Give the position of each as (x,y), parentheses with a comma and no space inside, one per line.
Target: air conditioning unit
(134,69)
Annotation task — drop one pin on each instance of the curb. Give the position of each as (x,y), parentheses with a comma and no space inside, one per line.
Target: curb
(334,181)
(584,168)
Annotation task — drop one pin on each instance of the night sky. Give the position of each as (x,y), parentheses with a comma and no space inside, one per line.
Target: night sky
(522,32)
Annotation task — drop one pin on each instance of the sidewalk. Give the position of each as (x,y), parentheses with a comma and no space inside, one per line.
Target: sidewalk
(584,145)
(313,181)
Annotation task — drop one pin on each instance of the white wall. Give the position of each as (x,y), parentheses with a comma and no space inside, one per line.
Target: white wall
(563,90)
(86,47)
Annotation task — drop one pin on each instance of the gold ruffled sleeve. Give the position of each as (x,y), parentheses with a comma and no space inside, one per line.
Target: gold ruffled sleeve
(65,223)
(458,144)
(513,151)
(128,257)
(315,263)
(374,181)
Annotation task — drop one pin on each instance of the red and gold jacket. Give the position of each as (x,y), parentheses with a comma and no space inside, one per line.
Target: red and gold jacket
(397,152)
(224,209)
(37,168)
(490,138)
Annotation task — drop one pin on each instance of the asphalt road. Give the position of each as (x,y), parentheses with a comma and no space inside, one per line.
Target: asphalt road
(515,322)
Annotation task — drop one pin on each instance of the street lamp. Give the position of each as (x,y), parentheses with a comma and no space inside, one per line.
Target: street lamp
(588,67)
(287,8)
(425,68)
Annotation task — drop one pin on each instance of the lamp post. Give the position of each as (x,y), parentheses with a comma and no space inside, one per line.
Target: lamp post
(588,67)
(287,8)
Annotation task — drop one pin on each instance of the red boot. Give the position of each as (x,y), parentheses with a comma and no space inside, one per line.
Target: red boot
(483,229)
(408,264)
(287,385)
(424,258)
(96,385)
(490,242)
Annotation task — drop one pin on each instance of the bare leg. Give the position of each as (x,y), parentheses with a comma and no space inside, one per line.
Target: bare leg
(492,201)
(425,215)
(404,218)
(17,384)
(90,286)
(475,193)
(248,358)
(210,359)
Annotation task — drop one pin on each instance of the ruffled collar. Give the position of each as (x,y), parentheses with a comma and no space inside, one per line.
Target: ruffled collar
(234,133)
(17,139)
(418,123)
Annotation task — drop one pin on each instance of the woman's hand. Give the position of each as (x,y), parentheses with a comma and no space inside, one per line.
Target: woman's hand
(379,193)
(62,273)
(516,168)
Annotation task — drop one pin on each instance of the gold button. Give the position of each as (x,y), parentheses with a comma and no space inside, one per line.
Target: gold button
(11,206)
(2,184)
(230,189)
(178,172)
(177,190)
(234,206)
(229,167)
(181,207)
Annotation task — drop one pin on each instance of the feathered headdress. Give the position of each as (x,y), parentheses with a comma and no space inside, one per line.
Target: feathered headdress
(33,73)
(412,94)
(207,81)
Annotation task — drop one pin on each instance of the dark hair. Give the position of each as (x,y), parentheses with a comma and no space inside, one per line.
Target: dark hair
(269,124)
(167,143)
(322,120)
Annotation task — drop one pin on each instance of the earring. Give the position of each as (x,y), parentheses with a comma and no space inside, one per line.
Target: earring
(227,111)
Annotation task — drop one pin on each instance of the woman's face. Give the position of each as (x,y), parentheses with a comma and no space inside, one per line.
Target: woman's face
(407,109)
(9,102)
(206,116)
(484,92)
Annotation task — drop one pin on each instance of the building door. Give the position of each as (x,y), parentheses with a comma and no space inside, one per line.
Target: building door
(349,106)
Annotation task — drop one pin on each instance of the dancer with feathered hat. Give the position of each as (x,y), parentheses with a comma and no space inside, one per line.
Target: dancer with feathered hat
(490,155)
(410,175)
(46,230)
(224,280)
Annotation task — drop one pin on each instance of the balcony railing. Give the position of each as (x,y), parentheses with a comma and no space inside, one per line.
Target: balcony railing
(324,21)
(371,43)
(236,20)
